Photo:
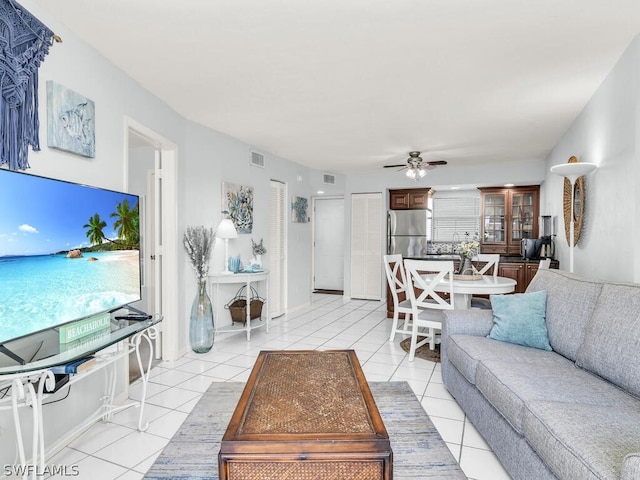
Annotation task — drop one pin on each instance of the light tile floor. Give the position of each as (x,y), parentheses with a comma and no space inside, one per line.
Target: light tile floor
(117,450)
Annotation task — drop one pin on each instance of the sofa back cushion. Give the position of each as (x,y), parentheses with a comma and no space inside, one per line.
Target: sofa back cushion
(611,346)
(570,302)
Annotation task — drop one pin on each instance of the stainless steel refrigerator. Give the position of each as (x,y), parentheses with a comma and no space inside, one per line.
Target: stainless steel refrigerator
(408,232)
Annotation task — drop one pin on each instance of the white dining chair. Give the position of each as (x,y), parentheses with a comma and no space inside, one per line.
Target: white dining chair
(397,281)
(491,262)
(544,264)
(428,304)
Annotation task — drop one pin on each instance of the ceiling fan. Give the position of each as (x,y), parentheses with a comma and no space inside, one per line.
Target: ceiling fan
(416,166)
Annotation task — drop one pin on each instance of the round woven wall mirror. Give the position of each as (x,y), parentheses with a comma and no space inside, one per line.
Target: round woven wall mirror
(578,206)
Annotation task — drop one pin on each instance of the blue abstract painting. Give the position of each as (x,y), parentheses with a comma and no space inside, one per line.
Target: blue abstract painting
(71,122)
(299,207)
(237,202)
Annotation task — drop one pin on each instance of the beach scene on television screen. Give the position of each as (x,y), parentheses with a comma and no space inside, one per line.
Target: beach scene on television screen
(67,251)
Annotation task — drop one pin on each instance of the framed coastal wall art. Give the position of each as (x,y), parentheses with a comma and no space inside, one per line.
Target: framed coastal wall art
(299,207)
(237,202)
(71,122)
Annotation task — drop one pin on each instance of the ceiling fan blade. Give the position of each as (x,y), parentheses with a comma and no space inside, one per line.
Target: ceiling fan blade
(394,166)
(437,162)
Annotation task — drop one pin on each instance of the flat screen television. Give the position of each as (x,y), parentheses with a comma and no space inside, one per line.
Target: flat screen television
(67,252)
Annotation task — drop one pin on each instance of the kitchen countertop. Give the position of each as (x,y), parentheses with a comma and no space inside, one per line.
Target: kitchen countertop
(434,256)
(518,259)
(449,256)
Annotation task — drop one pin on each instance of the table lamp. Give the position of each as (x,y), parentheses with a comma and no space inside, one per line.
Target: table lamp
(226,230)
(573,171)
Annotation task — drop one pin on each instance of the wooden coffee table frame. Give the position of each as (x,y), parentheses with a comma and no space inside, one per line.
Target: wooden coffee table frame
(306,414)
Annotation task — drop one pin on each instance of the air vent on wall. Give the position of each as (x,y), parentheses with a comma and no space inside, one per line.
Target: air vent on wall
(257,159)
(328,179)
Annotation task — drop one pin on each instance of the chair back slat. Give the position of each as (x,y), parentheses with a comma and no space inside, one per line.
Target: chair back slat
(492,260)
(396,277)
(426,276)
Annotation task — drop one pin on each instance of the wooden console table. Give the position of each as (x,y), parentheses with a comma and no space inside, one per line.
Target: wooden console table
(26,380)
(247,279)
(306,414)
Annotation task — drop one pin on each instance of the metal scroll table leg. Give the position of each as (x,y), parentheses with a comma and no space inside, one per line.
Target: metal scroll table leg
(248,309)
(26,393)
(148,335)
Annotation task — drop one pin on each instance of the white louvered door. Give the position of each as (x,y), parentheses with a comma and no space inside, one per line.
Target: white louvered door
(277,249)
(366,245)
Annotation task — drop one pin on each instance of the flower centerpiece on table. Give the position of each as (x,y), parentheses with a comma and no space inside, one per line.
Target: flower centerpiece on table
(468,249)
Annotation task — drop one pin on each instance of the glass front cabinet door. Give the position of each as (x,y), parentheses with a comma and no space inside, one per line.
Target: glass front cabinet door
(508,216)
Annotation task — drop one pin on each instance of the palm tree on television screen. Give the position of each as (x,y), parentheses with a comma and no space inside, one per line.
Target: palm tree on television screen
(127,223)
(95,227)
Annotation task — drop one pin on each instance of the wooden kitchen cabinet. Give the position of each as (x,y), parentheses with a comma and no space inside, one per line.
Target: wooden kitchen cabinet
(508,216)
(515,271)
(409,199)
(521,272)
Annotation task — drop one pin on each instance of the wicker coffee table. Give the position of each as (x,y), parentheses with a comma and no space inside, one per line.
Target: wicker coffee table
(306,415)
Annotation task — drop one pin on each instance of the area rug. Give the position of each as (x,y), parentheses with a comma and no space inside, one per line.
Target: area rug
(423,352)
(418,450)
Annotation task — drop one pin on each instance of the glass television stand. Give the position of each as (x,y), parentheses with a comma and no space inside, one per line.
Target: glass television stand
(26,376)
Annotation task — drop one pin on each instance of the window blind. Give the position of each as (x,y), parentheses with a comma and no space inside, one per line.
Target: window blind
(454,217)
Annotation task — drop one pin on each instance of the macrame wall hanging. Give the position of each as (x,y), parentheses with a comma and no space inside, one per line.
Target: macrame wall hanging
(24,42)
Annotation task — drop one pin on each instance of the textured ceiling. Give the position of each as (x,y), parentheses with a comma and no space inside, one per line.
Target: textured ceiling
(350,85)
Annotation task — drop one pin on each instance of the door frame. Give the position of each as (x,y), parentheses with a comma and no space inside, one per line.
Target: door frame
(169,250)
(314,199)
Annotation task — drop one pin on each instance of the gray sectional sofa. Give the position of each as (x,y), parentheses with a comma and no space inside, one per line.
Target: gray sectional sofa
(571,413)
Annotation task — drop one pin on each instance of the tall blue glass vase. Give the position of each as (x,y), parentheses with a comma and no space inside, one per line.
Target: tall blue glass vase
(201,329)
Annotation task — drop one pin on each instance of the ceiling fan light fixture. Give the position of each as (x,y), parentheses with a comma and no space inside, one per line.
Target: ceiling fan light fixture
(416,167)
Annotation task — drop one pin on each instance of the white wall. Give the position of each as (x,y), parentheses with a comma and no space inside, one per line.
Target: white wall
(606,133)
(210,158)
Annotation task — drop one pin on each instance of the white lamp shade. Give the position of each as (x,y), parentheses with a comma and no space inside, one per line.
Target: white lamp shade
(226,229)
(573,171)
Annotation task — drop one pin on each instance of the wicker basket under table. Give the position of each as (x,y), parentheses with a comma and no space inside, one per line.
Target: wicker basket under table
(306,415)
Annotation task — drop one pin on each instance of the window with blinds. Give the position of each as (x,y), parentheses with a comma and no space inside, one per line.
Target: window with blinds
(453,217)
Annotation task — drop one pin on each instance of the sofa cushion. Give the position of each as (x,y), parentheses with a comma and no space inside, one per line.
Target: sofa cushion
(509,386)
(631,467)
(582,441)
(466,352)
(611,346)
(519,319)
(570,303)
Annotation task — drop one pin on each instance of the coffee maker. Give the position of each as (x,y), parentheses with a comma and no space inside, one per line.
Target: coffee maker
(547,232)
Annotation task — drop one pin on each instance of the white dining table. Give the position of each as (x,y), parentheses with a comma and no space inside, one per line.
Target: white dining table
(463,290)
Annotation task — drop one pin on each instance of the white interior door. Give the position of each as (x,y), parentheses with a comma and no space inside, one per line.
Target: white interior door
(366,246)
(152,301)
(328,244)
(161,239)
(277,248)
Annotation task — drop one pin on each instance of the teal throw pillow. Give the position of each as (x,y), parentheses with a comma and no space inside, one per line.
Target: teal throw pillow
(520,319)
